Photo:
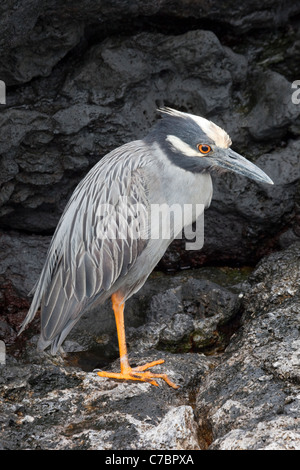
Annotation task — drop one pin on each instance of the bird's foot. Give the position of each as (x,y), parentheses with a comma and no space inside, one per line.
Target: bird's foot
(138,373)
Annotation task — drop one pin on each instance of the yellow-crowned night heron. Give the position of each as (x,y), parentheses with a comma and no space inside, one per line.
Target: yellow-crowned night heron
(86,264)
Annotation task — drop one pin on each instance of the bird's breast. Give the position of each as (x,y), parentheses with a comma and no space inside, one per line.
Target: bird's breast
(176,199)
(187,188)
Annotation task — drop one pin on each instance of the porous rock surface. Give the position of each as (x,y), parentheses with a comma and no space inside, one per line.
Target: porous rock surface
(242,394)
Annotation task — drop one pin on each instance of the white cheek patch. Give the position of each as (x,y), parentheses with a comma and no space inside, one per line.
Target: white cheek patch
(182,147)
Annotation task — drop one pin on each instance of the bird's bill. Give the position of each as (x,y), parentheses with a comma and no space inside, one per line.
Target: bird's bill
(232,161)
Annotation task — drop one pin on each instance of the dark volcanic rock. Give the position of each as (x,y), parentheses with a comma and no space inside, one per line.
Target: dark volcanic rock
(21,260)
(43,31)
(188,316)
(252,399)
(247,397)
(53,407)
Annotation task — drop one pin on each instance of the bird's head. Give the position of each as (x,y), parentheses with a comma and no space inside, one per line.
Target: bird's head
(198,145)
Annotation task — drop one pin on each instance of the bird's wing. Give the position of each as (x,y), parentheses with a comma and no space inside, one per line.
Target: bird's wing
(100,235)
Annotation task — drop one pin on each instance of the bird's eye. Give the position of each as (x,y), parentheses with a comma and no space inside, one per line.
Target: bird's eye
(203,148)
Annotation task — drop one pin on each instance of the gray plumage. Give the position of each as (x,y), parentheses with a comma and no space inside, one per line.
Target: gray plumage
(86,263)
(82,262)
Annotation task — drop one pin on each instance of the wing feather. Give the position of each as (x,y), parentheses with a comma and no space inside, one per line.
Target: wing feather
(85,259)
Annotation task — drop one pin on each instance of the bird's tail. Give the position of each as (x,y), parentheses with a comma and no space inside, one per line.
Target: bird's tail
(35,304)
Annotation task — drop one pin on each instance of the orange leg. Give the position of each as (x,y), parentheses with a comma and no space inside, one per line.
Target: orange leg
(127,372)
